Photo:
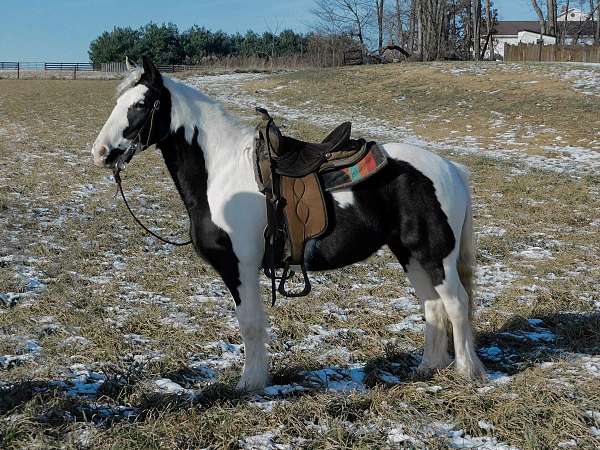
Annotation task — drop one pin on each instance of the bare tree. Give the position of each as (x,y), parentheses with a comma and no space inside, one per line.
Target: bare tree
(344,16)
(490,26)
(540,15)
(476,17)
(431,21)
(380,13)
(597,35)
(552,26)
(564,30)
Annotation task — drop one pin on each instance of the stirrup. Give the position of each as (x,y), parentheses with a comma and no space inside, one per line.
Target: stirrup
(287,274)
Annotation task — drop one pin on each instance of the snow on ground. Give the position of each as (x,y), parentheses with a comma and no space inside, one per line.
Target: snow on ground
(586,81)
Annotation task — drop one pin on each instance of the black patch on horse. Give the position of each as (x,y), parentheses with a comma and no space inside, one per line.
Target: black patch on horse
(397,207)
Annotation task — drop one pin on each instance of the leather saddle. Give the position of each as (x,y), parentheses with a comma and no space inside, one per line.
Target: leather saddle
(296,158)
(287,171)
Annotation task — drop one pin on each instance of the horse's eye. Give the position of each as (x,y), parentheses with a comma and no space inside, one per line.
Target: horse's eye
(139,105)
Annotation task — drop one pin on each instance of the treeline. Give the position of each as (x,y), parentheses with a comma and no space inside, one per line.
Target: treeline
(165,44)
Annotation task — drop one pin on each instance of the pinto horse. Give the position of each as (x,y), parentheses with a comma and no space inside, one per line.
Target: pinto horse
(419,205)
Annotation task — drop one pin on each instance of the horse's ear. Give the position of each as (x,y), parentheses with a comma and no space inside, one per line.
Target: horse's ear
(130,66)
(151,73)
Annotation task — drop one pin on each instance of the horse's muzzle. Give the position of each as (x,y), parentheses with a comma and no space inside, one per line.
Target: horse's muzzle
(106,157)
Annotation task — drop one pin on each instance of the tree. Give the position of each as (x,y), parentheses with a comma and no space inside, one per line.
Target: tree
(552,26)
(380,13)
(540,15)
(597,34)
(476,18)
(489,20)
(114,45)
(343,17)
(431,28)
(162,43)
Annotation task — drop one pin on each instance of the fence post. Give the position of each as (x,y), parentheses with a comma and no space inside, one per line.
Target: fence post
(18,70)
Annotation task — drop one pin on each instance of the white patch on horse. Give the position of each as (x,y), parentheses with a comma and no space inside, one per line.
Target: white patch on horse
(344,198)
(111,135)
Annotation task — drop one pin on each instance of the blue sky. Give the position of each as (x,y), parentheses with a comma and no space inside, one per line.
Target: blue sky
(61,30)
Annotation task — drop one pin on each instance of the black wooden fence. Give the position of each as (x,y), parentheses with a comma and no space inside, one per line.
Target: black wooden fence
(19,67)
(73,68)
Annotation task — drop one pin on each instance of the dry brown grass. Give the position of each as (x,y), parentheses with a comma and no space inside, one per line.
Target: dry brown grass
(70,237)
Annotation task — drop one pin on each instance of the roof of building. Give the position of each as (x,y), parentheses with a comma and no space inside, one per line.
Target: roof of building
(512,27)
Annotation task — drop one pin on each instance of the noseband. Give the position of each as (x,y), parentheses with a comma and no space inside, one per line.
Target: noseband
(135,146)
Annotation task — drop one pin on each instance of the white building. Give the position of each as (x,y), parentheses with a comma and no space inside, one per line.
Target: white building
(514,32)
(573,15)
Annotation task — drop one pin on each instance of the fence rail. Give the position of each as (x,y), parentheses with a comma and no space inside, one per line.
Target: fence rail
(19,69)
(552,53)
(118,67)
(23,66)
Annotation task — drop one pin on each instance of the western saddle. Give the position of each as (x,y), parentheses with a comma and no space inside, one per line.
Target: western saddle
(287,172)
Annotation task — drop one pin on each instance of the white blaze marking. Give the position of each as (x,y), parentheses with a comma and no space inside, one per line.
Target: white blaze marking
(111,134)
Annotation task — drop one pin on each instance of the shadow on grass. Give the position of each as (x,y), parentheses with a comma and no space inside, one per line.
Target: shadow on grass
(519,344)
(522,343)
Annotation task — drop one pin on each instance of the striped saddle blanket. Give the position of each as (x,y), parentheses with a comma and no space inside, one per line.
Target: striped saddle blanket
(343,178)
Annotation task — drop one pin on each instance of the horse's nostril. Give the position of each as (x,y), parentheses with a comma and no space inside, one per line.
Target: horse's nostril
(103,151)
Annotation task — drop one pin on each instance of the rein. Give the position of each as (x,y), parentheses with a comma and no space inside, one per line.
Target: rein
(132,149)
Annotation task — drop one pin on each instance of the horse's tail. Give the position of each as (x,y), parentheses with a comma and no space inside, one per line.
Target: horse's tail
(466,258)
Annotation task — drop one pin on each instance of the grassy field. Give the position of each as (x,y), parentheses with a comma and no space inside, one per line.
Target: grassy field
(109,339)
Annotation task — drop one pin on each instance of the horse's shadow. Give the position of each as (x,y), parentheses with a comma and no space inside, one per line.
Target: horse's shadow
(523,342)
(520,343)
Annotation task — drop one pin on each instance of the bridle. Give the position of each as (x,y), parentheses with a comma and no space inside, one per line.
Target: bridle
(135,146)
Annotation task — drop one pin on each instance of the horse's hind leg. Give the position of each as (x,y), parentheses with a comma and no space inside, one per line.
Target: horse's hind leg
(435,353)
(456,304)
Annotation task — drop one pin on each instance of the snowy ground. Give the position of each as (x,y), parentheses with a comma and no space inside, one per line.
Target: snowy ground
(104,330)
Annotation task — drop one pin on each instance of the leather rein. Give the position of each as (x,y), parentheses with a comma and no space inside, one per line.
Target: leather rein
(135,146)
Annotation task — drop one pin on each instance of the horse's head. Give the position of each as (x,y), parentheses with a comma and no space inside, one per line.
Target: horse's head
(140,118)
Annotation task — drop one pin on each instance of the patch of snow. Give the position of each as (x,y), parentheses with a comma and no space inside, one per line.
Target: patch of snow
(491,231)
(82,381)
(414,323)
(534,252)
(491,353)
(283,389)
(485,425)
(492,279)
(262,441)
(167,386)
(396,436)
(567,444)
(338,379)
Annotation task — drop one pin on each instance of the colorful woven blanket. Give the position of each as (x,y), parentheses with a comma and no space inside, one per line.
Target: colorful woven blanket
(373,162)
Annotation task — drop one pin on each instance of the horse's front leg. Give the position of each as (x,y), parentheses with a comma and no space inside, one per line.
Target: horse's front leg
(253,324)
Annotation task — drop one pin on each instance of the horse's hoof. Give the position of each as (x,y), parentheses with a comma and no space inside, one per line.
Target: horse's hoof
(475,372)
(245,385)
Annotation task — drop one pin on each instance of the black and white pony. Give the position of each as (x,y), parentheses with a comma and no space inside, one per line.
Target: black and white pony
(419,205)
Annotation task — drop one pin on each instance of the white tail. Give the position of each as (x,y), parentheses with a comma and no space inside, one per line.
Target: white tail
(466,258)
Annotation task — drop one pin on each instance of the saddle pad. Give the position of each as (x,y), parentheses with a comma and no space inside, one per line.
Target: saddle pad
(374,160)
